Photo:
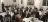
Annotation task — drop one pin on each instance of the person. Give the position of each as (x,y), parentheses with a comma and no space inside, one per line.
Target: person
(29,15)
(3,9)
(45,18)
(30,9)
(7,18)
(26,9)
(36,12)
(41,13)
(13,17)
(1,18)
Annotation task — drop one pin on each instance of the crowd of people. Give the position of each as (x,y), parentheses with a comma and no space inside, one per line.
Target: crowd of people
(20,13)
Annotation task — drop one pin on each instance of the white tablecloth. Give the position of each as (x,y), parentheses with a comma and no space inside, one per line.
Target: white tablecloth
(30,19)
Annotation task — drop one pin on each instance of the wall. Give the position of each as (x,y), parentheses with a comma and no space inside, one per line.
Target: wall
(38,3)
(18,2)
(6,2)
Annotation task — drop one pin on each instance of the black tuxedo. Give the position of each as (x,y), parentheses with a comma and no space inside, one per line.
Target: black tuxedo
(7,18)
(1,18)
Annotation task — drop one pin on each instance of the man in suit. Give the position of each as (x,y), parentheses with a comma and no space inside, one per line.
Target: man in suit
(7,18)
(1,18)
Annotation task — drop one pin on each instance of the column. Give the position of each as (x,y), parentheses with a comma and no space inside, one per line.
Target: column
(0,6)
(18,2)
(24,3)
